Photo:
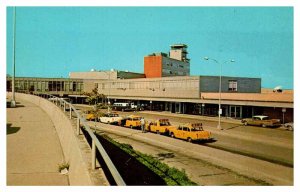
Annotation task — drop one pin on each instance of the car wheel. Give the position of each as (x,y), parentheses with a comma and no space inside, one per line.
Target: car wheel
(189,139)
(263,125)
(130,126)
(172,135)
(245,123)
(157,132)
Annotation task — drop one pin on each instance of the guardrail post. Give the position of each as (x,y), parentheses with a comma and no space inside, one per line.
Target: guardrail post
(78,126)
(64,106)
(93,155)
(70,111)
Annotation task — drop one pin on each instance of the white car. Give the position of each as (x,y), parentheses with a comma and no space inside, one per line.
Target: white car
(110,118)
(289,126)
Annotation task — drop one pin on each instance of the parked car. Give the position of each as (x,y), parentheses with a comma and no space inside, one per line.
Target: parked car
(110,118)
(159,126)
(191,132)
(133,121)
(126,107)
(90,115)
(261,120)
(289,126)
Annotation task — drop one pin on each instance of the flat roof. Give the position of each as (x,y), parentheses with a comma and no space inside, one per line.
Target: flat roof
(179,45)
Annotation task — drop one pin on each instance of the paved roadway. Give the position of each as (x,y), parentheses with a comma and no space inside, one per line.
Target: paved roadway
(270,144)
(33,147)
(204,165)
(273,146)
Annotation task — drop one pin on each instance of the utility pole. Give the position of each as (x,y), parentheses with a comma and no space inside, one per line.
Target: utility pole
(13,101)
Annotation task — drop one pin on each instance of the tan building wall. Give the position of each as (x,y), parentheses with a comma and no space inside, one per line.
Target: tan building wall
(267,90)
(167,87)
(176,54)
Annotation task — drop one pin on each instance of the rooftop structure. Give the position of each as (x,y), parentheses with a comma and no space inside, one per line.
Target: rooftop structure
(179,52)
(162,65)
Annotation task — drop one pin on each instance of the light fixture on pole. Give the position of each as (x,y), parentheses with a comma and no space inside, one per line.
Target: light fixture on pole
(220,87)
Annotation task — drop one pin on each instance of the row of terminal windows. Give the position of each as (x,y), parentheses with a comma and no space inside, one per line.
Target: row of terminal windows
(48,85)
(175,65)
(167,71)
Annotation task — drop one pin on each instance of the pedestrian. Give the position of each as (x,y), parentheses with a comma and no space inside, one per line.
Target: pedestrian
(143,124)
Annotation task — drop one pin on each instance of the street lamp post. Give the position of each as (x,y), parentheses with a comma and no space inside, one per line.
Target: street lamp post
(108,99)
(13,101)
(220,88)
(108,108)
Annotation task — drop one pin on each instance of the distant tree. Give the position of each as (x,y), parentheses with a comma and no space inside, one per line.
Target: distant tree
(94,97)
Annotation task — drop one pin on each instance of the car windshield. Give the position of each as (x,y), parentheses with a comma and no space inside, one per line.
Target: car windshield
(165,123)
(112,115)
(265,118)
(197,129)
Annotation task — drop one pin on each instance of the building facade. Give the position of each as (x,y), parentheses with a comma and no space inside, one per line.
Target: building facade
(164,65)
(181,94)
(230,84)
(166,85)
(54,86)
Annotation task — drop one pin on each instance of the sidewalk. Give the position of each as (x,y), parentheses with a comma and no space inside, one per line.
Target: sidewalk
(33,147)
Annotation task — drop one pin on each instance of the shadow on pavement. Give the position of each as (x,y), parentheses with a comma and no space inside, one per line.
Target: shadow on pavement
(233,127)
(205,141)
(18,104)
(10,129)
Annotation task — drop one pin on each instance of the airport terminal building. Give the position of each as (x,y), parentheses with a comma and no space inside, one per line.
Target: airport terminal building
(166,85)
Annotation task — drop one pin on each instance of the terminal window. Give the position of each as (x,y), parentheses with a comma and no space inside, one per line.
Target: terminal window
(232,85)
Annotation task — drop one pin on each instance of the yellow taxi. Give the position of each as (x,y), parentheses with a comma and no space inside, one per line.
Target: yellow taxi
(90,115)
(190,132)
(133,121)
(160,126)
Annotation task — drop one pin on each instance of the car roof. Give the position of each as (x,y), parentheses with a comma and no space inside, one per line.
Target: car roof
(193,125)
(260,116)
(134,116)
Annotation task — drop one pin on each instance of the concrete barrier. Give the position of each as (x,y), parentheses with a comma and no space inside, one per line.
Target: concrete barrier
(74,148)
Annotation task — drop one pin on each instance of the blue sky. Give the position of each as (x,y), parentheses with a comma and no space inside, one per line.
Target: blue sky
(53,41)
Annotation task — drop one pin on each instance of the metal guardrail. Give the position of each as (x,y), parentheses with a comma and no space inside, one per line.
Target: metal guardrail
(96,145)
